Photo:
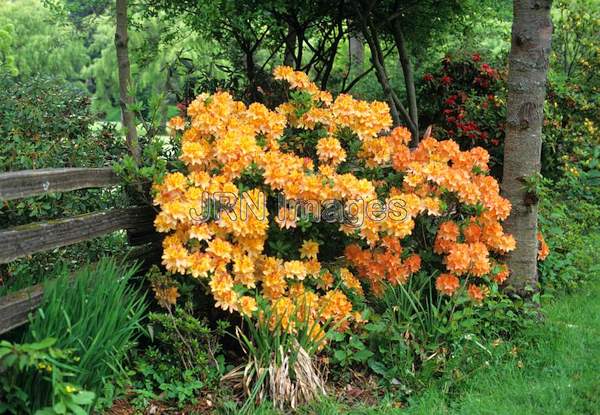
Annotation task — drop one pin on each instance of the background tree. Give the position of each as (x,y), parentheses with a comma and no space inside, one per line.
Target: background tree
(528,67)
(125,98)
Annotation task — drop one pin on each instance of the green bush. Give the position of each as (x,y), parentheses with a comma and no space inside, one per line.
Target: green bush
(48,123)
(183,352)
(570,221)
(97,314)
(421,336)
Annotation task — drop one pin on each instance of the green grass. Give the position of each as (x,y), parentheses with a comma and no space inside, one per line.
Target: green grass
(557,373)
(560,373)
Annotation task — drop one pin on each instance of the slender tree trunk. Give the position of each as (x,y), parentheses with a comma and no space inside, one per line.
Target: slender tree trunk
(330,60)
(125,100)
(290,47)
(528,67)
(357,53)
(369,30)
(300,46)
(409,81)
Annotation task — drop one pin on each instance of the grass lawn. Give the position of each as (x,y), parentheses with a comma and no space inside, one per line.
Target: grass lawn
(558,374)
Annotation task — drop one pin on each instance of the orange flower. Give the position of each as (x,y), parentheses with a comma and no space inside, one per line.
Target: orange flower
(447,284)
(459,259)
(543,250)
(295,269)
(229,147)
(449,231)
(309,249)
(350,281)
(413,263)
(166,296)
(472,232)
(176,123)
(247,305)
(476,293)
(502,275)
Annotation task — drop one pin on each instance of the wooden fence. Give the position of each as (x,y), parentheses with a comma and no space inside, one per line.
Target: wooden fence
(22,241)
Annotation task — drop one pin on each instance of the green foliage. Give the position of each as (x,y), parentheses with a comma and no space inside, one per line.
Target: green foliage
(422,337)
(569,215)
(184,358)
(42,45)
(52,366)
(7,57)
(183,352)
(571,128)
(97,314)
(554,362)
(575,40)
(44,123)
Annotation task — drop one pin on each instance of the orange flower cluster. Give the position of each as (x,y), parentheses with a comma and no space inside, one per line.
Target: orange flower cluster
(383,263)
(223,140)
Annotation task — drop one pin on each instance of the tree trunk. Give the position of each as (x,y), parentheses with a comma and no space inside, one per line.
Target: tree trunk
(357,53)
(125,100)
(528,67)
(289,57)
(370,32)
(409,81)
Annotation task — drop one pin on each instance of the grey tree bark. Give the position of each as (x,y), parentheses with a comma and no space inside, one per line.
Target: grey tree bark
(357,52)
(528,67)
(125,99)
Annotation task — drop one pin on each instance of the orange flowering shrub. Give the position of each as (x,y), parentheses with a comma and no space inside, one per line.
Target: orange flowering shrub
(227,224)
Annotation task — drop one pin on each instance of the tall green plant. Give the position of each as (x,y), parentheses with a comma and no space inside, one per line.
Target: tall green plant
(97,314)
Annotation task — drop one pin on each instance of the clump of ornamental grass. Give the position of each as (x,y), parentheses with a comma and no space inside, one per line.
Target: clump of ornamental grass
(97,315)
(280,365)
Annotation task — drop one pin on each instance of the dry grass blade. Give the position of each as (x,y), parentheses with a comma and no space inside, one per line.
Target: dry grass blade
(287,382)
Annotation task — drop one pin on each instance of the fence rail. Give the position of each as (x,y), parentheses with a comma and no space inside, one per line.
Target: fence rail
(25,240)
(26,183)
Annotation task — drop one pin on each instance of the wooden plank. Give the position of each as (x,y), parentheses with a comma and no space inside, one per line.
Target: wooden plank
(25,183)
(29,239)
(15,307)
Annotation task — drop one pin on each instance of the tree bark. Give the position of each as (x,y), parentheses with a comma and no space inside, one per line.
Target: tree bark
(289,57)
(125,99)
(369,31)
(528,67)
(409,80)
(357,53)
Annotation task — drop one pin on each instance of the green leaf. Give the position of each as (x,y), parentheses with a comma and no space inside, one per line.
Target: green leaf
(377,367)
(339,355)
(76,409)
(362,355)
(60,408)
(84,397)
(44,344)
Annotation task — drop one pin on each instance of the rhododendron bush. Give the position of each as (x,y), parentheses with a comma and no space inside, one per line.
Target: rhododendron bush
(432,209)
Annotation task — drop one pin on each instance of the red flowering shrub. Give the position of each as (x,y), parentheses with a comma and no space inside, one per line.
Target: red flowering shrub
(463,100)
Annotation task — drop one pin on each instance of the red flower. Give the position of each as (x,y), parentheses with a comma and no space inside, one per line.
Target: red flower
(446,80)
(181,106)
(488,70)
(451,101)
(476,57)
(428,77)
